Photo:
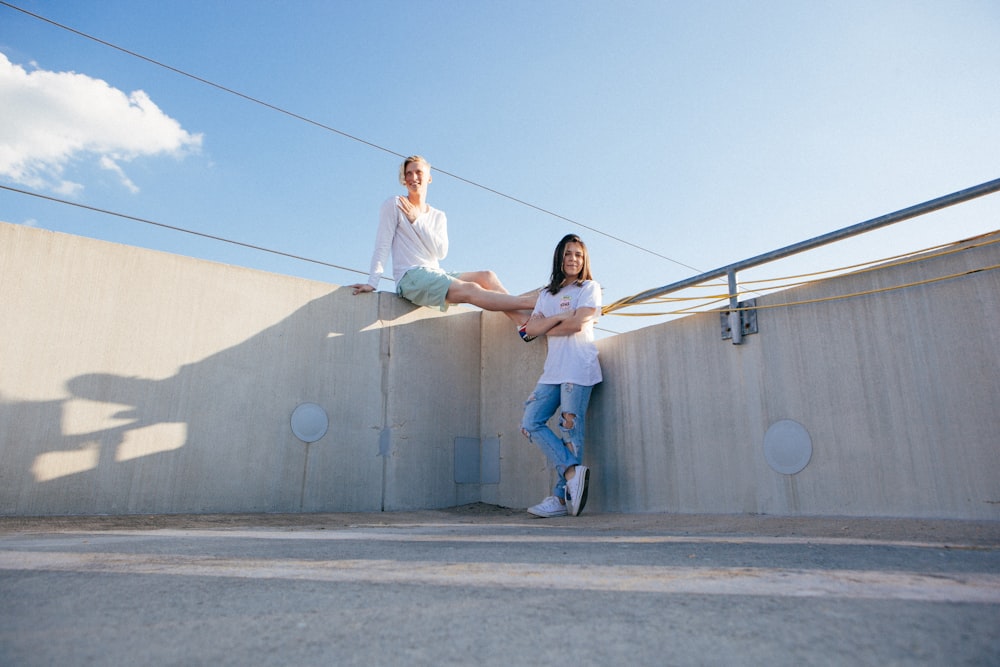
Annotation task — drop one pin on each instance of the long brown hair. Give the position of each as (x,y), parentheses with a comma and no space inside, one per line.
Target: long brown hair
(558,276)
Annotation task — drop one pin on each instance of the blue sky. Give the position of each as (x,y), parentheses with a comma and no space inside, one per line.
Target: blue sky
(701,132)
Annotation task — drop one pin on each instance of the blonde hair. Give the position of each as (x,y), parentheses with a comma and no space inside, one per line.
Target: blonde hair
(406,163)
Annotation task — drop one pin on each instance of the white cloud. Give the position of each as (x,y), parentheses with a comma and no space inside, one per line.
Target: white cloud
(49,119)
(109,164)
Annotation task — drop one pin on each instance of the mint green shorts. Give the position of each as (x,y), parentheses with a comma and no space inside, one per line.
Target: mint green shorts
(422,286)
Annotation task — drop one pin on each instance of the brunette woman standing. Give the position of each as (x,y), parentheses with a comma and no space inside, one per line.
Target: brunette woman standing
(564,313)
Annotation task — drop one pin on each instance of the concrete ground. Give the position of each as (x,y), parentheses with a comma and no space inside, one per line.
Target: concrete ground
(486,585)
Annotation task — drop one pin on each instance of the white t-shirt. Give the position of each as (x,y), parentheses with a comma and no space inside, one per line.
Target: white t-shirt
(421,243)
(571,358)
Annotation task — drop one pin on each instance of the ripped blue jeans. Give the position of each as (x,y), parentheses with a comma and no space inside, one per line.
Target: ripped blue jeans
(562,452)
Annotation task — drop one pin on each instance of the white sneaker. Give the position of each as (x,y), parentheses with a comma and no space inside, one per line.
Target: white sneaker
(576,490)
(548,508)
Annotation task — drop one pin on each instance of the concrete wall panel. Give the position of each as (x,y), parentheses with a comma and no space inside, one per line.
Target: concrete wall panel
(133,381)
(431,394)
(898,391)
(511,369)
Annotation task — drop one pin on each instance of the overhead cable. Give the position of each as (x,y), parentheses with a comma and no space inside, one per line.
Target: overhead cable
(346,135)
(181,229)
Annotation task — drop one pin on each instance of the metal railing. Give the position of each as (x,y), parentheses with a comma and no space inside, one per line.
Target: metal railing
(860,228)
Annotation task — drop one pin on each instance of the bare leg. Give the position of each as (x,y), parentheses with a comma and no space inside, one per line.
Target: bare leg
(485,279)
(484,289)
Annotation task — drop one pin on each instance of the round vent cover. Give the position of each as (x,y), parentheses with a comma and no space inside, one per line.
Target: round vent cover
(309,422)
(787,446)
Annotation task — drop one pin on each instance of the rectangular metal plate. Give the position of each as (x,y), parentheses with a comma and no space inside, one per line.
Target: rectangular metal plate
(467,460)
(748,319)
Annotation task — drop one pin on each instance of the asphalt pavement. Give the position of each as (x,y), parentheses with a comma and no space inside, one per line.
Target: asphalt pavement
(483,585)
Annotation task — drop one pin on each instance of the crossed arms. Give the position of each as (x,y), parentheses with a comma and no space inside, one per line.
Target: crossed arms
(563,324)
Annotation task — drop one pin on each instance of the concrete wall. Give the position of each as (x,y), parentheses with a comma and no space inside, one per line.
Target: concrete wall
(899,392)
(133,381)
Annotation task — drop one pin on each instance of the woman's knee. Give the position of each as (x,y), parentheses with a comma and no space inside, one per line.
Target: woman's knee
(486,279)
(531,427)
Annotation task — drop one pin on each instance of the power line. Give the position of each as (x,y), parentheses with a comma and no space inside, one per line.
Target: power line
(201,234)
(346,135)
(181,229)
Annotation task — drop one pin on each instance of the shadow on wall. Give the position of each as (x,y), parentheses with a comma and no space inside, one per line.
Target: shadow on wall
(214,436)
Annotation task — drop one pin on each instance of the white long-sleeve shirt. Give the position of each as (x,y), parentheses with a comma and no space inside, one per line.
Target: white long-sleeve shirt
(424,242)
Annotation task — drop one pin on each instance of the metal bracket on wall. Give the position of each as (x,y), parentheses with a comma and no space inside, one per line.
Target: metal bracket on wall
(744,321)
(477,461)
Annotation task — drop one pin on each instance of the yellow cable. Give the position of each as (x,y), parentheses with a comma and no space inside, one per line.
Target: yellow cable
(916,256)
(827,298)
(883,263)
(875,291)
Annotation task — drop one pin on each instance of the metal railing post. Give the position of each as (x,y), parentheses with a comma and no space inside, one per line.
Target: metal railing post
(735,316)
